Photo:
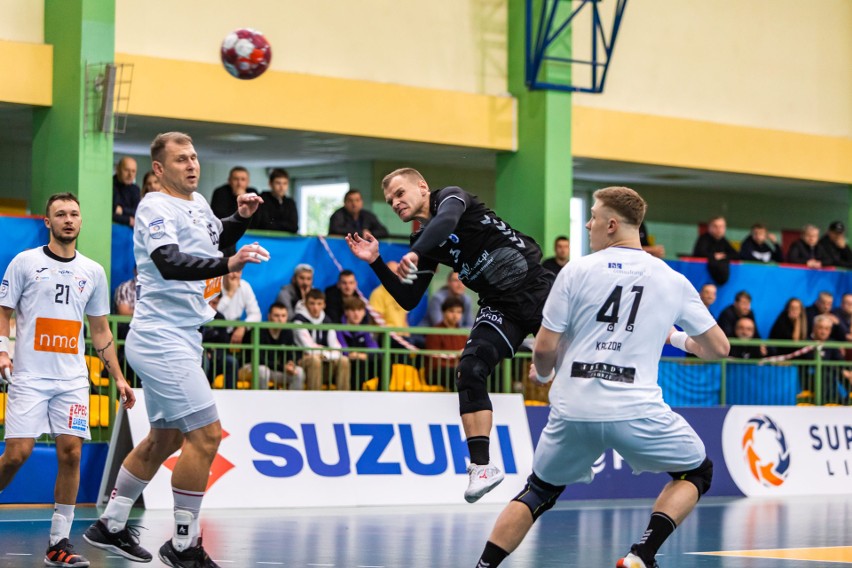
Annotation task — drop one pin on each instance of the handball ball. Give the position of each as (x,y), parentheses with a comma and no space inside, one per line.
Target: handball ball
(246,53)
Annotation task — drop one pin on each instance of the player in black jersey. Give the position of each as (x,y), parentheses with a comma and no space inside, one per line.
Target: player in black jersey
(499,263)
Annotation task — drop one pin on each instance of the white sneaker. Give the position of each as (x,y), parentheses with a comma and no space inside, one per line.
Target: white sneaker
(632,561)
(483,478)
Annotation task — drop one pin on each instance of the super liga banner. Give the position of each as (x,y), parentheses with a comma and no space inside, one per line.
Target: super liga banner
(319,449)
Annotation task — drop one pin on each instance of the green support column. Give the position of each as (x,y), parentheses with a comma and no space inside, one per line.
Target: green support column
(67,155)
(534,184)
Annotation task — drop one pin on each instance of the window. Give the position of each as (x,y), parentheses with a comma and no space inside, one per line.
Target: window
(317,201)
(579,236)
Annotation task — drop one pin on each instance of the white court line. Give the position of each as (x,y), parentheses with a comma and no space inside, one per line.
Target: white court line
(18,554)
(275,563)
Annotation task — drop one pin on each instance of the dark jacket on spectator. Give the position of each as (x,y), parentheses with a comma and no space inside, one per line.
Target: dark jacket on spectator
(727,320)
(127,196)
(835,256)
(275,360)
(706,247)
(767,252)
(800,253)
(342,223)
(223,202)
(277,216)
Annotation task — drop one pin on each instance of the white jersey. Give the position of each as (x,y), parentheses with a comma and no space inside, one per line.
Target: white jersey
(191,225)
(615,309)
(51,295)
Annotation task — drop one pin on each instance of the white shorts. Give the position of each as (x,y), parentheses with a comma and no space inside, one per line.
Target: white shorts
(47,406)
(662,443)
(169,363)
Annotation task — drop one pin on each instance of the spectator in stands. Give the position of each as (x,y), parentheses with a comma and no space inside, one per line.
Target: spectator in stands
(300,284)
(346,287)
(791,324)
(561,256)
(713,246)
(844,320)
(217,360)
(278,212)
(238,302)
(822,306)
(364,366)
(150,184)
(741,308)
(761,246)
(389,309)
(708,295)
(277,368)
(832,376)
(319,359)
(454,288)
(439,370)
(223,202)
(744,329)
(125,304)
(805,251)
(835,250)
(654,250)
(125,193)
(353,218)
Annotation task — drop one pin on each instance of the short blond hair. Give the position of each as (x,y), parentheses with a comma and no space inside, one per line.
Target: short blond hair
(407,172)
(625,202)
(158,146)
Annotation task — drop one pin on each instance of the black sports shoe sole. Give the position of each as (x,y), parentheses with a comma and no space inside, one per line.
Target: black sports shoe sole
(116,550)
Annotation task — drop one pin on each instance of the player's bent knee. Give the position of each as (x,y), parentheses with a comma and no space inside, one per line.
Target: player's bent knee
(538,495)
(477,362)
(701,477)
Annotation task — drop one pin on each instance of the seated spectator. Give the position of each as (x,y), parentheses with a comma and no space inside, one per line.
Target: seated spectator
(300,284)
(217,360)
(654,250)
(150,184)
(708,295)
(238,302)
(223,202)
(805,250)
(440,370)
(346,287)
(278,368)
(843,330)
(835,250)
(278,211)
(125,304)
(364,366)
(744,329)
(318,359)
(713,246)
(125,193)
(834,384)
(454,288)
(791,324)
(741,308)
(761,246)
(822,306)
(353,218)
(561,256)
(389,310)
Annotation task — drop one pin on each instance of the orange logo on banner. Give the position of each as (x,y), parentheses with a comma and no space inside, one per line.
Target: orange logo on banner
(57,336)
(218,468)
(212,287)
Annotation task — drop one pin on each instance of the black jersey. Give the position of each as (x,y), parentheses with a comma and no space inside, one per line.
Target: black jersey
(490,257)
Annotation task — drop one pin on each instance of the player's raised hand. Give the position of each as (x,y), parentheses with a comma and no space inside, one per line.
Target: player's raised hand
(366,248)
(5,368)
(248,254)
(125,394)
(247,204)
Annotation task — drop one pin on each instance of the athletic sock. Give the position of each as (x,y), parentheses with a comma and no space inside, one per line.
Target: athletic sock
(478,446)
(660,527)
(60,523)
(127,490)
(187,508)
(492,556)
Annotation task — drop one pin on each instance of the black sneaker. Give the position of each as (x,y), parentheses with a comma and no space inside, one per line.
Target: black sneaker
(194,557)
(125,542)
(62,554)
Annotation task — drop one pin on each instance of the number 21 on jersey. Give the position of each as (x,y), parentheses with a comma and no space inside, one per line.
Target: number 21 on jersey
(212,287)
(608,313)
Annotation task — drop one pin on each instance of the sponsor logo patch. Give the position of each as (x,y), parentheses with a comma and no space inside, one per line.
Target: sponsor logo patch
(78,417)
(157,228)
(57,336)
(4,288)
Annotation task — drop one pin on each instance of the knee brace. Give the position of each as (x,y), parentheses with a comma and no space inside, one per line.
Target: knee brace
(700,477)
(477,362)
(538,495)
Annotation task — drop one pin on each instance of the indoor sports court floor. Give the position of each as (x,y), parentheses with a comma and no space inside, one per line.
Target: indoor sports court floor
(724,533)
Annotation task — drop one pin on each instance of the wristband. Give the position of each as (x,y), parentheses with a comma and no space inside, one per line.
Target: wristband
(545,379)
(4,344)
(678,339)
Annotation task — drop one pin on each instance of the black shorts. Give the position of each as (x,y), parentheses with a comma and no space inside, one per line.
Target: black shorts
(517,314)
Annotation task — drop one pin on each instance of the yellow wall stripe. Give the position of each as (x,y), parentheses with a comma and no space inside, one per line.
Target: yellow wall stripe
(205,92)
(631,137)
(26,73)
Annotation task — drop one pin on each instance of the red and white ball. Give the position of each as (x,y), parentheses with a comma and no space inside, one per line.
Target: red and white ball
(246,53)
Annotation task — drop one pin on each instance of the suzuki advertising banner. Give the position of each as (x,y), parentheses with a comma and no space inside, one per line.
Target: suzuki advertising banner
(306,449)
(773,450)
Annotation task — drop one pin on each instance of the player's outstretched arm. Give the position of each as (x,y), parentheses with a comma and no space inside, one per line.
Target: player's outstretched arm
(712,344)
(5,360)
(103,343)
